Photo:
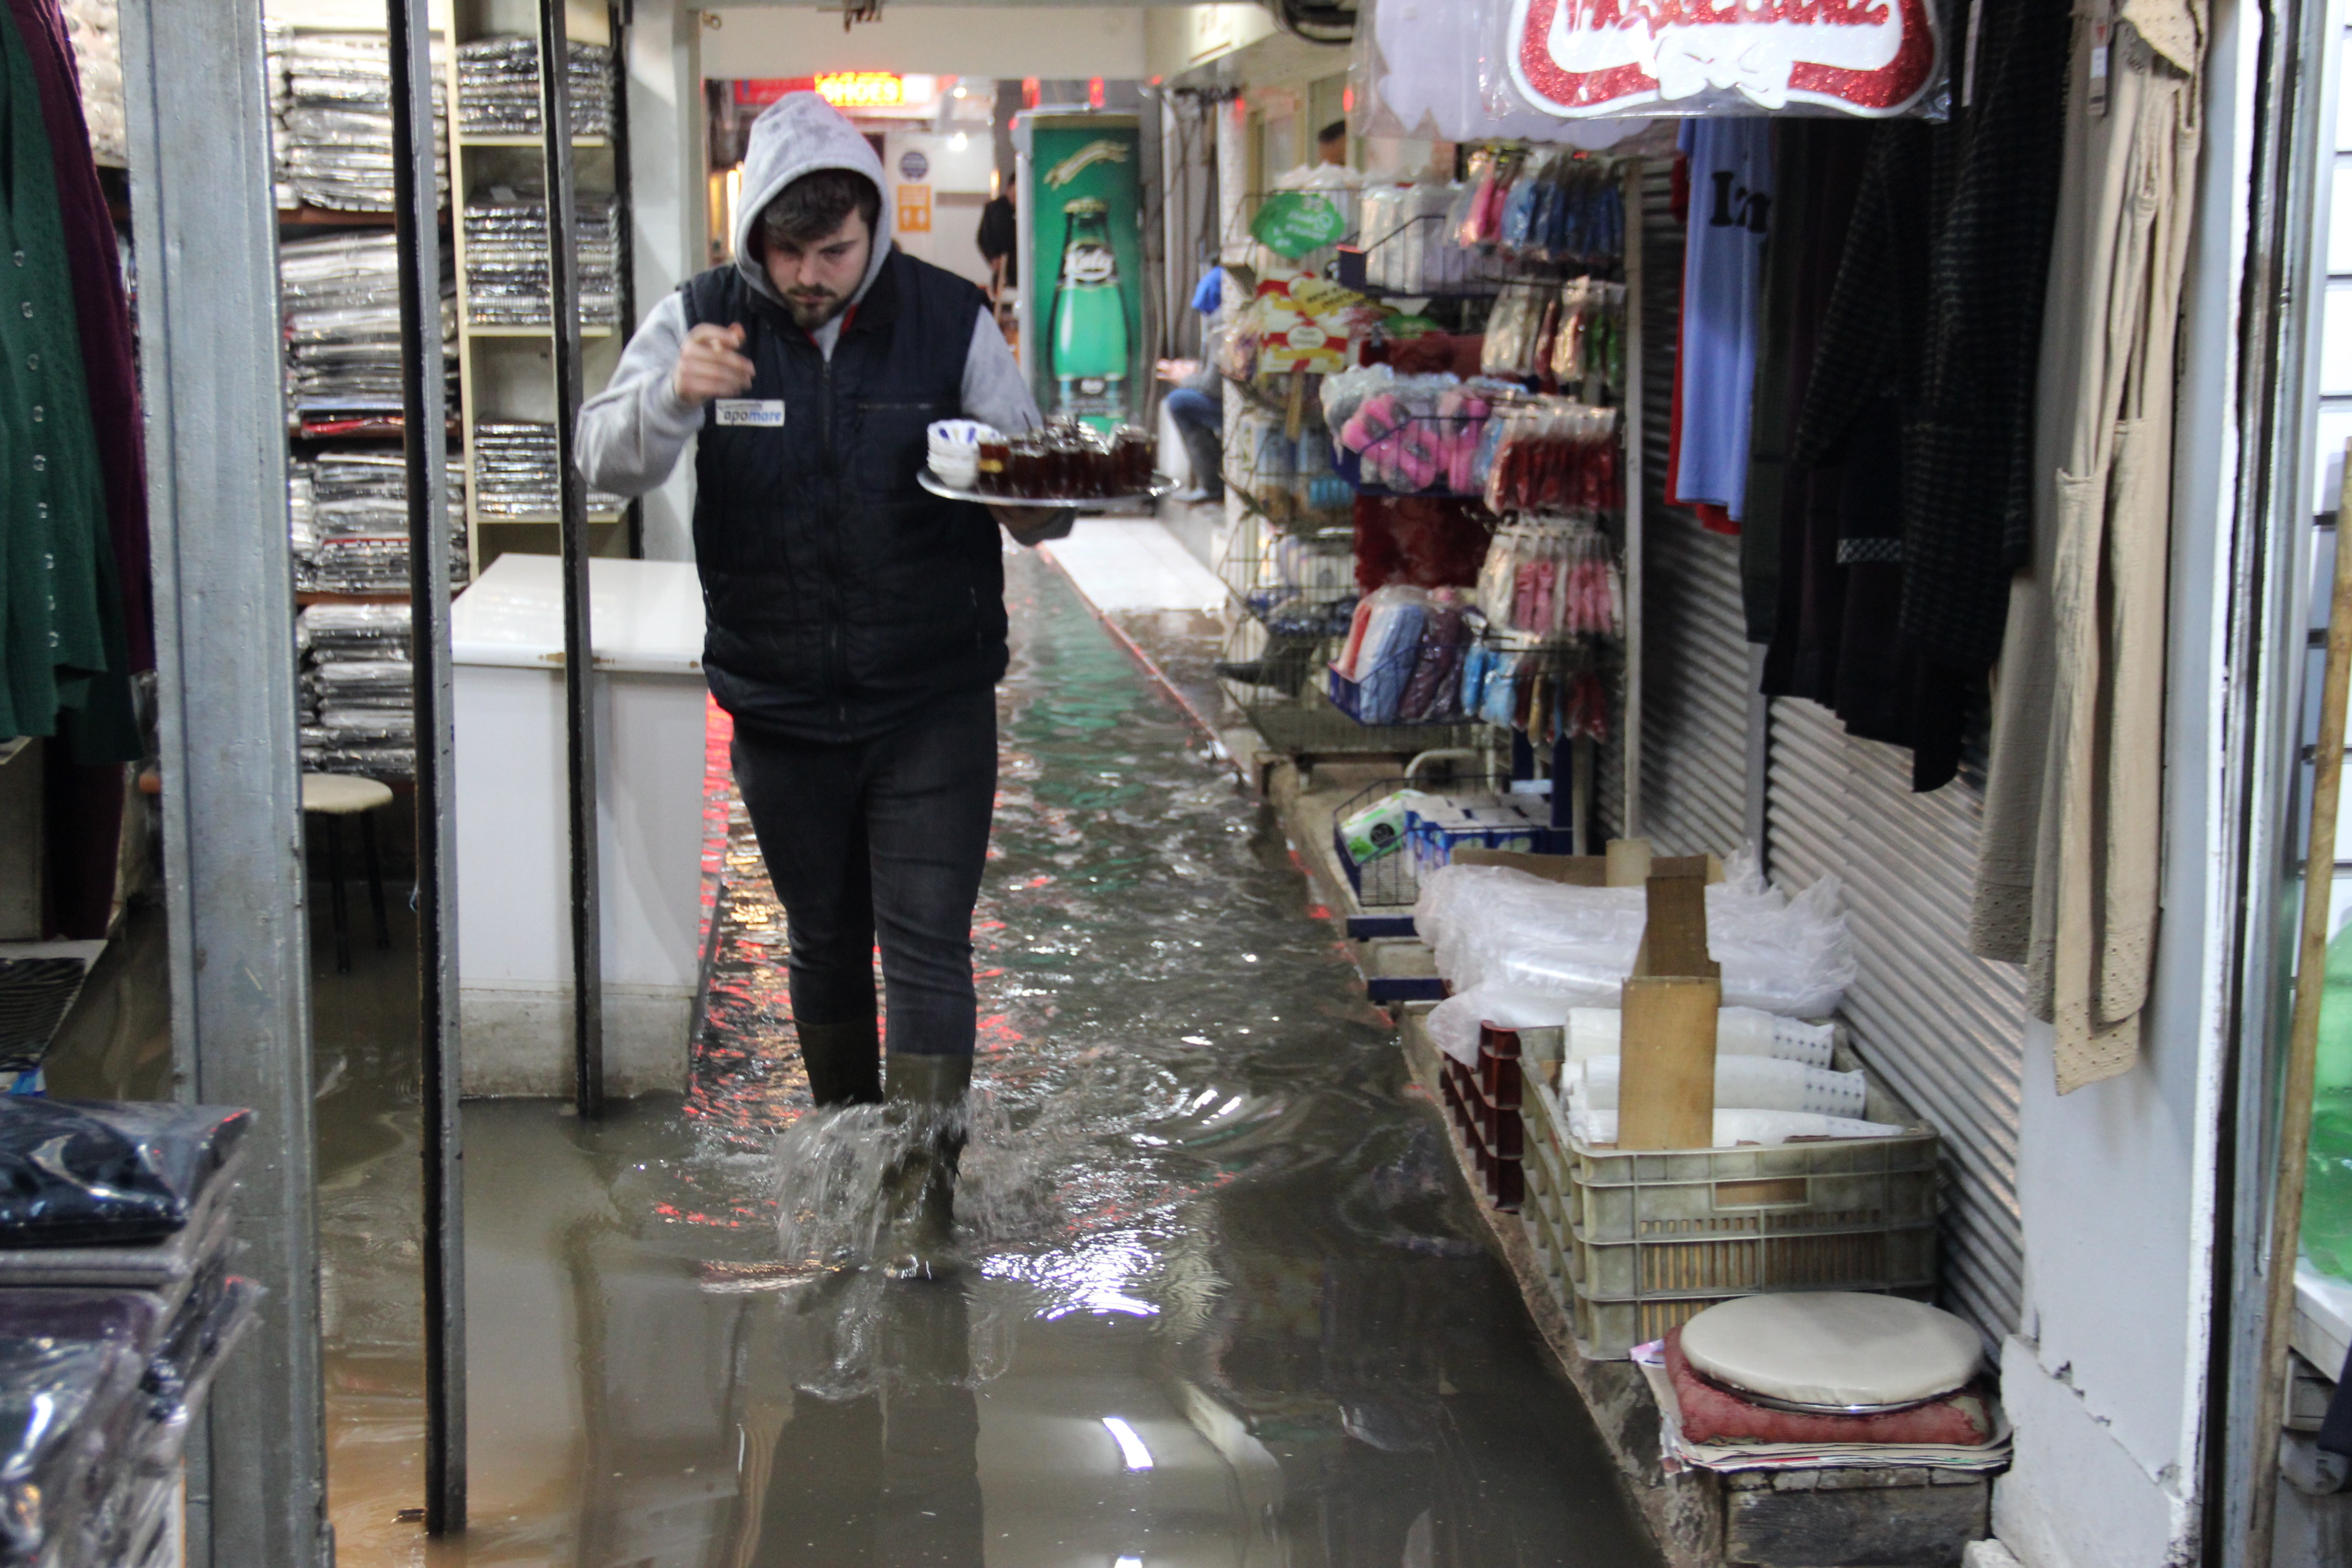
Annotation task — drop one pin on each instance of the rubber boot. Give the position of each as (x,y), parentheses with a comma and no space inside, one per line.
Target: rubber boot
(926,1096)
(843,1062)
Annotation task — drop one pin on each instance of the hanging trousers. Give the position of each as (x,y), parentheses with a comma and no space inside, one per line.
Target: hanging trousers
(2067,879)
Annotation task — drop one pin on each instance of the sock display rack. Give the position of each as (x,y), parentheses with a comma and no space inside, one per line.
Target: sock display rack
(1438,549)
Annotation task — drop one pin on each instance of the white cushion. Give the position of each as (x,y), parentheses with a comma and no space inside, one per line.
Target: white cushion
(1833,1347)
(341,795)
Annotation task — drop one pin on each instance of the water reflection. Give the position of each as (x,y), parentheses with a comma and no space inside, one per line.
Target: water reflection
(1204,1219)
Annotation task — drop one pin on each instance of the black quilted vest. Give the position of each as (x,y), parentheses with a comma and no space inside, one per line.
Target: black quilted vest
(842,596)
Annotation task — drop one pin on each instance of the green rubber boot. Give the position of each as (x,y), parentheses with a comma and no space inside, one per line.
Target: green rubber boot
(918,1236)
(843,1062)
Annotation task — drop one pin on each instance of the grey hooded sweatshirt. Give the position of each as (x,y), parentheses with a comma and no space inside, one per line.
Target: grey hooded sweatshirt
(630,433)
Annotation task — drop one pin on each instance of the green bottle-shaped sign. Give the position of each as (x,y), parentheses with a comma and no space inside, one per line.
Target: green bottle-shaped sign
(1089,309)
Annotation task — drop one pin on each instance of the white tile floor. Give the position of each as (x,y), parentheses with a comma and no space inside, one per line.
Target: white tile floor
(1133,563)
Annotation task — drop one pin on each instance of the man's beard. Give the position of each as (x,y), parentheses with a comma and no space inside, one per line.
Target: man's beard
(808,314)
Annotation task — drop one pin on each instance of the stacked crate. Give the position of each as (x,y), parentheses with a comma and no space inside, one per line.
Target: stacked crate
(1635,1242)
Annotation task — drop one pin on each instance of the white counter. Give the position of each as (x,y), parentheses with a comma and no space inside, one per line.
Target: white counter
(514,898)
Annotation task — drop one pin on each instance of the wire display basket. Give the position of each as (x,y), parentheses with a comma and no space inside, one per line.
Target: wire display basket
(1277,672)
(1391,834)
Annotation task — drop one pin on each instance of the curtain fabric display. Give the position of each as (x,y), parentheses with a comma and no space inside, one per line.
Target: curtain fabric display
(2067,882)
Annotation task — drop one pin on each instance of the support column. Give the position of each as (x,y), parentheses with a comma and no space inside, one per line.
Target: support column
(204,217)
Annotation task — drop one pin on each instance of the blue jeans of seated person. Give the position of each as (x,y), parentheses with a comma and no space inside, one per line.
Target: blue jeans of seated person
(880,838)
(1200,420)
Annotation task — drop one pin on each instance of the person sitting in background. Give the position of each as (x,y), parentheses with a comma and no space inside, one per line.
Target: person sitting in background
(1200,418)
(1331,143)
(1197,406)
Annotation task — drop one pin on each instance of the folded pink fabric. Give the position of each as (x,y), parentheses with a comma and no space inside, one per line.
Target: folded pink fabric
(1713,1414)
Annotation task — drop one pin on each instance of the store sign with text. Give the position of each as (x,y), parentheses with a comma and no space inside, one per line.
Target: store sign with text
(1580,59)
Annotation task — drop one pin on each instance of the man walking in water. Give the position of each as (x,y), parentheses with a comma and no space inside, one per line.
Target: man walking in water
(856,622)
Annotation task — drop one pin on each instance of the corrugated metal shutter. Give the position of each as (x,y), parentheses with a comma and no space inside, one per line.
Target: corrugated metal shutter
(1695,702)
(1942,1027)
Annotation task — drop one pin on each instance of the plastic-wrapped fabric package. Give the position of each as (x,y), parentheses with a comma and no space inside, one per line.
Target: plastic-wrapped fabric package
(498,86)
(81,1173)
(342,298)
(350,522)
(506,259)
(1493,924)
(514,472)
(70,1415)
(334,120)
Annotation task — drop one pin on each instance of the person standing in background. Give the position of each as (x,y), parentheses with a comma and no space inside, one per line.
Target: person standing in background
(1331,143)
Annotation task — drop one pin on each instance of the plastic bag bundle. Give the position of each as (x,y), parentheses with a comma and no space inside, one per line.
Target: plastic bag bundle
(1407,248)
(1744,1083)
(1738,1031)
(1552,455)
(1562,334)
(1792,956)
(1733,1128)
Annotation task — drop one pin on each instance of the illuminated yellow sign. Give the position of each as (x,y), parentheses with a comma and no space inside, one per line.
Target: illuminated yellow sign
(862,89)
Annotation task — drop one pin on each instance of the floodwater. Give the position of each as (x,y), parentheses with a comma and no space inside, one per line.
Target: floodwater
(1221,1304)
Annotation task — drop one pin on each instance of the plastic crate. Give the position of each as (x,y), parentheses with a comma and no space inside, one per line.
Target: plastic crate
(1648,1239)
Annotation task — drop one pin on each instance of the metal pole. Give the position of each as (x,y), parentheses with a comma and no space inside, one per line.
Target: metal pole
(197,110)
(1636,476)
(416,204)
(579,667)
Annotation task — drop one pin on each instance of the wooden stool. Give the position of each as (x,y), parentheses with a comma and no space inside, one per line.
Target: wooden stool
(335,797)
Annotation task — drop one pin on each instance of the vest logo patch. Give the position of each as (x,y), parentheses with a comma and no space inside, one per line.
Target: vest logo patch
(766,412)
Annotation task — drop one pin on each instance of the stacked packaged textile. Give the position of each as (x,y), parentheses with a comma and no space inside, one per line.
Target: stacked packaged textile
(334,135)
(497,88)
(275,37)
(117,1308)
(356,685)
(351,523)
(342,328)
(506,259)
(514,474)
(95,27)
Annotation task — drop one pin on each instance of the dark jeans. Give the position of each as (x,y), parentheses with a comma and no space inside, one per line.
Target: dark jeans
(884,837)
(1199,420)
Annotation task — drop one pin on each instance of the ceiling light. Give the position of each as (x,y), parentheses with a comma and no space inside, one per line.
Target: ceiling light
(963,93)
(959,142)
(1139,1457)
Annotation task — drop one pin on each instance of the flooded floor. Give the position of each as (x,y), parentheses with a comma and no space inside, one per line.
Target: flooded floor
(1222,1302)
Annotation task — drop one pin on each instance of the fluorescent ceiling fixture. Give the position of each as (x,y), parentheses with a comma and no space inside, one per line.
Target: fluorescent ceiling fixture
(1128,1562)
(1139,1457)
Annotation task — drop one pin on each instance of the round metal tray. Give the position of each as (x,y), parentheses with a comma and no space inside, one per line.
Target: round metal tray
(1161,485)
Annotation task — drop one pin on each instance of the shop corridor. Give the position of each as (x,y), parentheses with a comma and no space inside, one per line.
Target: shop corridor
(1223,1304)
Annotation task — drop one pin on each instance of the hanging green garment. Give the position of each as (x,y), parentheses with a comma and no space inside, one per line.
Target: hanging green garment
(63,658)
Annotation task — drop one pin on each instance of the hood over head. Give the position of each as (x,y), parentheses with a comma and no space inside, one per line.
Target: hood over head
(799,134)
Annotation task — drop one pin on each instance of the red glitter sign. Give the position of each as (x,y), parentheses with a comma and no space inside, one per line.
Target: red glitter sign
(1578,58)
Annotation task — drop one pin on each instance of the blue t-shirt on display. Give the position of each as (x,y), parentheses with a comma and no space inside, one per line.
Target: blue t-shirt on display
(1723,281)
